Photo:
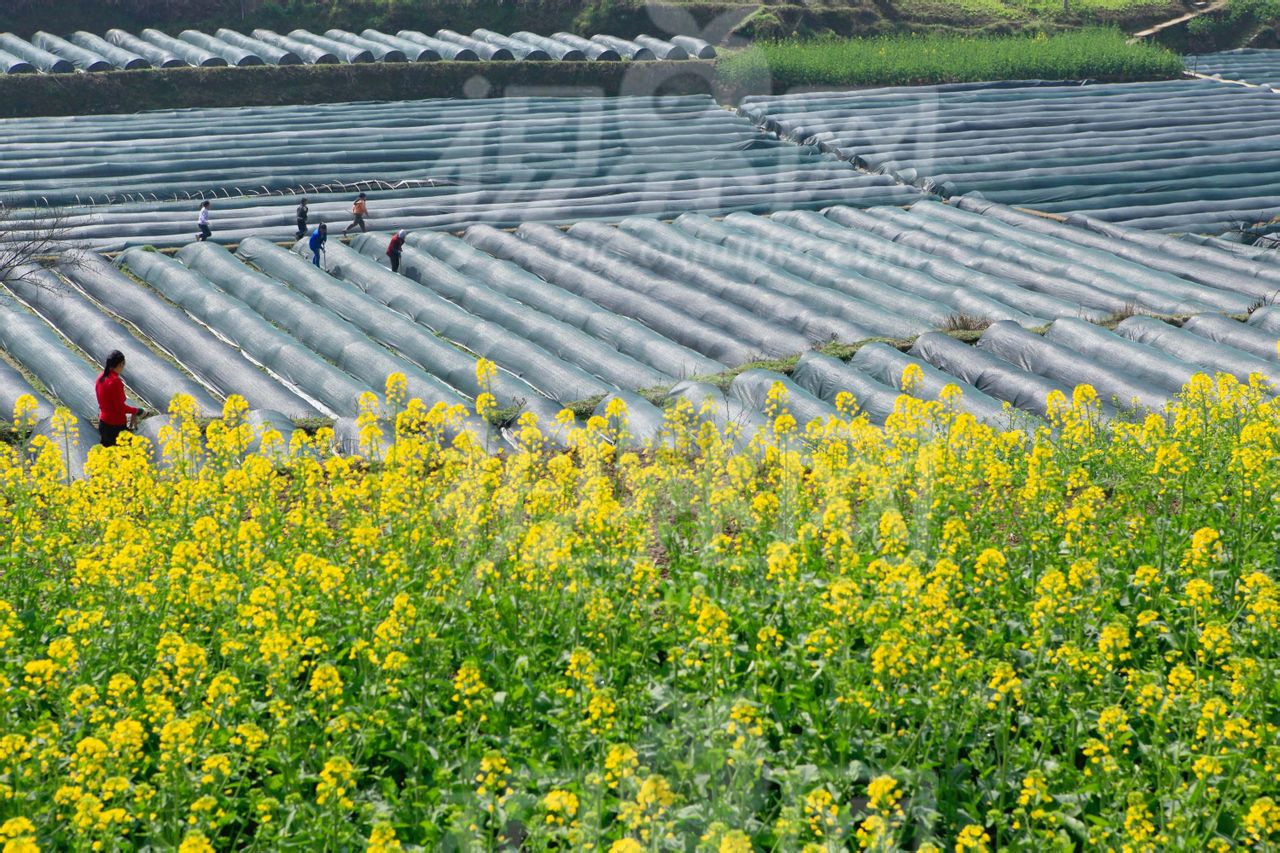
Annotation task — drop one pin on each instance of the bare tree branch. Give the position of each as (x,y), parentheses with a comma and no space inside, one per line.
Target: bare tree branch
(31,238)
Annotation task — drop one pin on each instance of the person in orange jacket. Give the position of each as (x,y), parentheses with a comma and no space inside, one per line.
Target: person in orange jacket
(115,415)
(359,211)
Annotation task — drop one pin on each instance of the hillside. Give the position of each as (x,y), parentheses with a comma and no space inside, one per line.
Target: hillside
(712,20)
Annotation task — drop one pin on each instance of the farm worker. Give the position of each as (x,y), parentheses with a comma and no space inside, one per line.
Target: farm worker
(302,214)
(114,414)
(316,243)
(394,248)
(359,211)
(203,222)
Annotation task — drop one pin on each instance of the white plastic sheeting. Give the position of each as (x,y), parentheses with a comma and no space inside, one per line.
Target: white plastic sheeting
(127,180)
(1136,368)
(96,334)
(1255,66)
(218,364)
(120,50)
(1181,155)
(609,311)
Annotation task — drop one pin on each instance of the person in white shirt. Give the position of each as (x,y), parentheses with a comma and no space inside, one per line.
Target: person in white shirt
(203,222)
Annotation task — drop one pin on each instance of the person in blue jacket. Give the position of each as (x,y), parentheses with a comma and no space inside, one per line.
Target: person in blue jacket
(316,242)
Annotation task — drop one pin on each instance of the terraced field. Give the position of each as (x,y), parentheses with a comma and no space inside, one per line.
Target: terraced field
(650,312)
(1181,155)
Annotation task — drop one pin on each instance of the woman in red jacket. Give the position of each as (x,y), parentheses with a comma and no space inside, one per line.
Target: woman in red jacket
(114,414)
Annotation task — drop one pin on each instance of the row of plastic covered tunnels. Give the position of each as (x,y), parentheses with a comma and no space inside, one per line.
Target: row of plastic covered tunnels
(651,314)
(151,48)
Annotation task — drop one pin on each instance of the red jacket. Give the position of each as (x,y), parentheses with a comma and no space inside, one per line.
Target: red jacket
(397,243)
(112,408)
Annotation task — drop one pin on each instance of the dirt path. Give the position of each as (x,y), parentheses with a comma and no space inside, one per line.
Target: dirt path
(1173,22)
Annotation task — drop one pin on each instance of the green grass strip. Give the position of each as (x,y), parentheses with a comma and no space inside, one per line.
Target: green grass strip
(1098,54)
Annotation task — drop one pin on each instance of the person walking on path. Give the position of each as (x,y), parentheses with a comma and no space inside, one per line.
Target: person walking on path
(115,415)
(302,213)
(359,211)
(203,222)
(395,248)
(317,241)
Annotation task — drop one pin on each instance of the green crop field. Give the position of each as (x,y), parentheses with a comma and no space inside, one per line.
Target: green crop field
(1015,10)
(905,60)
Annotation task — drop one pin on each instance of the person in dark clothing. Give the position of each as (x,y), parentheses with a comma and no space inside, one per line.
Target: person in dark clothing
(316,243)
(115,415)
(394,249)
(359,211)
(302,213)
(203,222)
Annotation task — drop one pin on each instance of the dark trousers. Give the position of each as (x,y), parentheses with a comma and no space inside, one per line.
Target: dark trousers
(109,433)
(359,220)
(204,232)
(395,262)
(302,229)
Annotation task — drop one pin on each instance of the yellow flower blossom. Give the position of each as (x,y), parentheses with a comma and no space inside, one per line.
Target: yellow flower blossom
(613,635)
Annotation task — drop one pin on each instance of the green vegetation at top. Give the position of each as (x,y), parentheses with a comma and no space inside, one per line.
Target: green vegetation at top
(1096,54)
(1239,23)
(1076,11)
(712,19)
(618,17)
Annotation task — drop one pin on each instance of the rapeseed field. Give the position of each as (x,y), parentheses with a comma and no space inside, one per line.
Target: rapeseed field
(931,636)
